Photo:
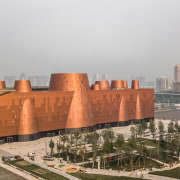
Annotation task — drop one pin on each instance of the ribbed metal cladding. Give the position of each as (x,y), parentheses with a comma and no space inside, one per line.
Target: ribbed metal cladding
(2,85)
(95,87)
(117,84)
(69,82)
(27,122)
(135,84)
(125,85)
(22,86)
(104,85)
(70,105)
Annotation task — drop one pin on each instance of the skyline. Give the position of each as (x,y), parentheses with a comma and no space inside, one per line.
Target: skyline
(121,38)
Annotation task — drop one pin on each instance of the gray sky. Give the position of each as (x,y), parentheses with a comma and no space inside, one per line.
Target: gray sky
(119,37)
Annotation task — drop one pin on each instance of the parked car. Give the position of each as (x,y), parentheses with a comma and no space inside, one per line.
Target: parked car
(18,157)
(30,154)
(11,158)
(48,158)
(5,159)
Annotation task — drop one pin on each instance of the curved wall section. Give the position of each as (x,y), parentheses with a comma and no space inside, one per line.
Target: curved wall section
(69,82)
(2,85)
(27,123)
(125,85)
(122,111)
(138,108)
(22,86)
(135,84)
(104,85)
(95,87)
(117,84)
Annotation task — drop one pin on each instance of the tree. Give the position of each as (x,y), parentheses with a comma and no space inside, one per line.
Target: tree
(133,131)
(51,145)
(152,127)
(82,150)
(161,130)
(176,139)
(68,145)
(171,128)
(129,147)
(58,147)
(64,139)
(92,138)
(144,126)
(119,145)
(108,136)
(76,137)
(140,128)
(103,160)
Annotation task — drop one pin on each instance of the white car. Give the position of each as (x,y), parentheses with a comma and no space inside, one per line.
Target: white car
(11,158)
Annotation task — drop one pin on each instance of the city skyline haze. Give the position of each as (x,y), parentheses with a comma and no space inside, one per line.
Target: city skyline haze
(123,38)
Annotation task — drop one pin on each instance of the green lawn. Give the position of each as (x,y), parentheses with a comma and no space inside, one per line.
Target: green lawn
(175,173)
(85,176)
(38,171)
(162,156)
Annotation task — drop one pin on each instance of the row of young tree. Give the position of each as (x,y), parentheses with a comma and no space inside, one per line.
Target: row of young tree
(168,140)
(104,143)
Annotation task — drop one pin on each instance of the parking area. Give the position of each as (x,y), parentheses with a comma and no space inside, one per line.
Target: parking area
(173,114)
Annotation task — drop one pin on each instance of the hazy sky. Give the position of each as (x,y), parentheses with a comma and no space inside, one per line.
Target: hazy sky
(119,37)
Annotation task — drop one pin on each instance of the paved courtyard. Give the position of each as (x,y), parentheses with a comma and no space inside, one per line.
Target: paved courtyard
(41,146)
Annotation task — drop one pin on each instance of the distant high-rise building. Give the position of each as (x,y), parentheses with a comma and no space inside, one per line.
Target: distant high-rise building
(176,84)
(177,73)
(9,80)
(96,77)
(23,76)
(105,77)
(39,80)
(162,83)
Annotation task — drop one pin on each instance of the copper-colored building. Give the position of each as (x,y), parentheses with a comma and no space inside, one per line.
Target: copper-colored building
(70,104)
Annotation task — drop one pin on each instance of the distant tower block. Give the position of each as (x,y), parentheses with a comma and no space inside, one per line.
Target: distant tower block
(177,73)
(125,85)
(22,86)
(69,82)
(2,85)
(135,84)
(104,85)
(95,87)
(117,84)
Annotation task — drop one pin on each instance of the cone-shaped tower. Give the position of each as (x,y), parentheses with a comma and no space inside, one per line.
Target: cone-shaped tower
(2,85)
(28,127)
(22,86)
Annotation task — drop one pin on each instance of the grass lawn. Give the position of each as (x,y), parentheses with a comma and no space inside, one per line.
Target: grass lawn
(162,156)
(85,176)
(36,170)
(175,173)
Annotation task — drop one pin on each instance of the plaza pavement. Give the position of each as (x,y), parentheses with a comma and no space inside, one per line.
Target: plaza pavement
(41,146)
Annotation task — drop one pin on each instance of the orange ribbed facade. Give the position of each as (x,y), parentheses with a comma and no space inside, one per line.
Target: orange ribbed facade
(2,85)
(70,103)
